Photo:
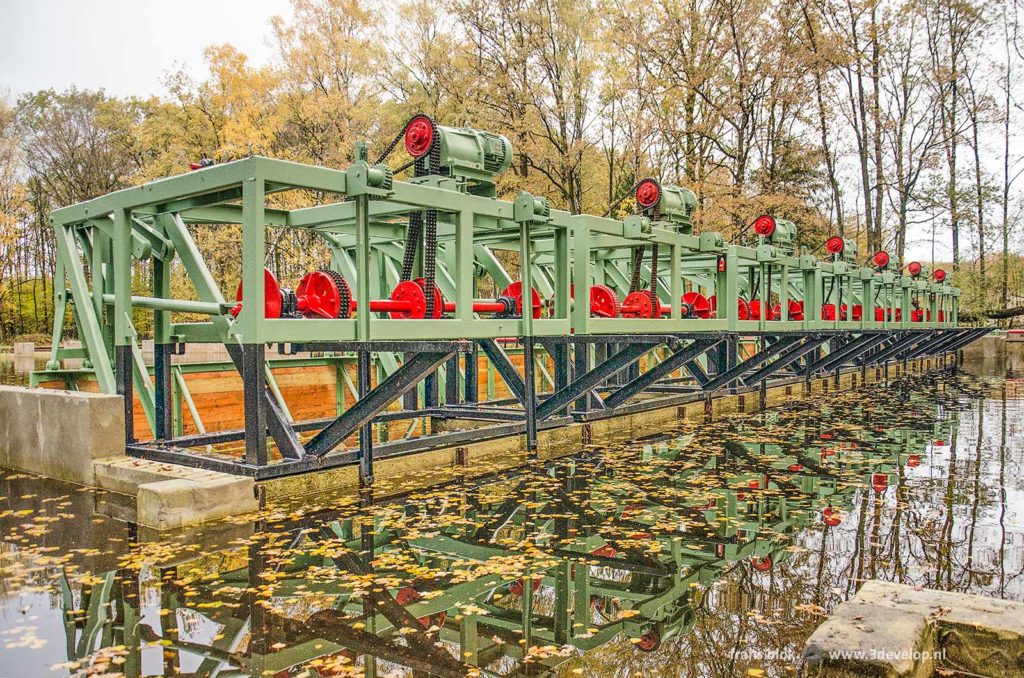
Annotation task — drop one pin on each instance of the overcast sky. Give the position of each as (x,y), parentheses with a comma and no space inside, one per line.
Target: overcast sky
(123,46)
(127,47)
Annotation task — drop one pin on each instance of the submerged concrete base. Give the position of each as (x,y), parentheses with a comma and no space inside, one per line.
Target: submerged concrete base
(899,631)
(169,496)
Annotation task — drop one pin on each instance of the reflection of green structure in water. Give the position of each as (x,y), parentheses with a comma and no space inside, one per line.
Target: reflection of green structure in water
(614,548)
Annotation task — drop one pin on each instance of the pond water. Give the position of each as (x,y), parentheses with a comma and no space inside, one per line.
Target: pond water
(15,371)
(712,549)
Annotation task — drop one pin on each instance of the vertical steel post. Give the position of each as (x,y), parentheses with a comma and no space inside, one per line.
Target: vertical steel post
(253,387)
(250,320)
(122,274)
(529,381)
(162,391)
(363,368)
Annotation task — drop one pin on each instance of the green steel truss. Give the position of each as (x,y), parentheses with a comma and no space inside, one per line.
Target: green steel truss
(479,239)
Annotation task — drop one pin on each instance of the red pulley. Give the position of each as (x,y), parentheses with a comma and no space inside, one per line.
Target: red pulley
(835,245)
(881,259)
(754,309)
(914,268)
(742,310)
(419,135)
(761,564)
(699,303)
(517,587)
(648,193)
(842,313)
(831,516)
(879,482)
(858,312)
(764,225)
(640,304)
(913,461)
(828,312)
(515,291)
(317,296)
(899,314)
(879,314)
(407,595)
(603,302)
(796,310)
(939,275)
(272,300)
(916,315)
(649,642)
(942,316)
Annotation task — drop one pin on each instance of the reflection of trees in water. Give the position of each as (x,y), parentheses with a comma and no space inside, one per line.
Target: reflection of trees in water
(946,523)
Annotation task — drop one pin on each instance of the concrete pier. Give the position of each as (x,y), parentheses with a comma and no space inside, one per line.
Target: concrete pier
(79,438)
(900,631)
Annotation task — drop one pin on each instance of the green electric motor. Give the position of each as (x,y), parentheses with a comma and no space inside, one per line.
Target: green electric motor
(778,232)
(674,204)
(466,153)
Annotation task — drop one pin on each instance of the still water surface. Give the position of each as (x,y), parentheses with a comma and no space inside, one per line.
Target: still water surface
(708,550)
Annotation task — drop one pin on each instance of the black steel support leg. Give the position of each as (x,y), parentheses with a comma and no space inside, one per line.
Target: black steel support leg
(786,358)
(363,367)
(588,381)
(274,420)
(581,364)
(125,388)
(471,394)
(529,394)
(506,370)
(451,381)
(254,387)
(846,353)
(162,390)
(736,372)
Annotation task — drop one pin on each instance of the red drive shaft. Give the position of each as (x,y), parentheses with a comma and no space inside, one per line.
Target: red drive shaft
(479,307)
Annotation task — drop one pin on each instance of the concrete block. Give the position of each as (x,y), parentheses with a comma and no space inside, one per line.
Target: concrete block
(59,434)
(24,349)
(180,502)
(862,639)
(124,475)
(900,631)
(982,633)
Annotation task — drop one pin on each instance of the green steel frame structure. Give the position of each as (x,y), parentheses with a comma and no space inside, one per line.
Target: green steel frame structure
(681,316)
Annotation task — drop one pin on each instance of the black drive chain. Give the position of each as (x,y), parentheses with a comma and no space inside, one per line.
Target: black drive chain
(430,234)
(654,274)
(344,293)
(638,261)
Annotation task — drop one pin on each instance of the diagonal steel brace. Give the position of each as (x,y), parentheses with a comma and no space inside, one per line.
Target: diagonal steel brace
(670,364)
(845,354)
(792,355)
(588,381)
(366,408)
(750,363)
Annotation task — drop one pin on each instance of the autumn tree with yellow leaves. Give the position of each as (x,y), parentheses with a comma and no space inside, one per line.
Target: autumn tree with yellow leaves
(860,117)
